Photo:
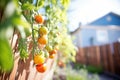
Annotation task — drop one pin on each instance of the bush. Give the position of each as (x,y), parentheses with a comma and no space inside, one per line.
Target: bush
(90,68)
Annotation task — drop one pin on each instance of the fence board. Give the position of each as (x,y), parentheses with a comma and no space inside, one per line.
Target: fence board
(80,57)
(111,60)
(86,55)
(104,58)
(98,56)
(117,57)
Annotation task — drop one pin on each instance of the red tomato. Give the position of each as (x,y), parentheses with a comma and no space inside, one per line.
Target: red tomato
(41,68)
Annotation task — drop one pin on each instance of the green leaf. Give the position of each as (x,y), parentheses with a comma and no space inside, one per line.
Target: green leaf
(3,3)
(6,56)
(22,47)
(40,4)
(23,54)
(28,6)
(54,1)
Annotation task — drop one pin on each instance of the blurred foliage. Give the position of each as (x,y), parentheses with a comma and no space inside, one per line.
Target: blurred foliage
(72,74)
(22,47)
(6,55)
(90,68)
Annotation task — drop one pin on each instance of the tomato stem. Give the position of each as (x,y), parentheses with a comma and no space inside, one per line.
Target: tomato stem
(35,29)
(33,38)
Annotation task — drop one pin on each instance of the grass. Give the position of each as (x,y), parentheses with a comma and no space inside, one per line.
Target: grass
(81,74)
(74,77)
(68,73)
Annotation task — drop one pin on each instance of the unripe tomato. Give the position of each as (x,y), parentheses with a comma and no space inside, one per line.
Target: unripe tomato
(41,68)
(39,19)
(48,48)
(46,54)
(39,59)
(43,30)
(42,40)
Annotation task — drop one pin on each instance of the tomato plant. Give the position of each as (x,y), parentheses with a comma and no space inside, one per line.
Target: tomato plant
(45,36)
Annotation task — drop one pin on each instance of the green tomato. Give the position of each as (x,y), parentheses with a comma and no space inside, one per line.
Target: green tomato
(46,54)
(48,47)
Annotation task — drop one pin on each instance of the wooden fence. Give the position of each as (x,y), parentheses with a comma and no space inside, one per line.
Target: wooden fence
(107,56)
(26,70)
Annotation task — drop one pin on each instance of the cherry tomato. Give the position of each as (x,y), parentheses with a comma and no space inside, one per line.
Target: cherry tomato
(43,30)
(48,48)
(41,68)
(54,51)
(51,56)
(42,40)
(39,59)
(39,19)
(61,64)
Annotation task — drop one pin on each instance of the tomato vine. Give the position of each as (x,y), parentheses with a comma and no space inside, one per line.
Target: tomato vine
(46,29)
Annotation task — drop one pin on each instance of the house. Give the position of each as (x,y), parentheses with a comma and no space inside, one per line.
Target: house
(101,31)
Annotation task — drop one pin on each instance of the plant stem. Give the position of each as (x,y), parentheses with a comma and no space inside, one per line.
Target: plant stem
(33,38)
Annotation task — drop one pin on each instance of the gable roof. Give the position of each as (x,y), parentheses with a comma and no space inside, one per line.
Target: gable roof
(108,19)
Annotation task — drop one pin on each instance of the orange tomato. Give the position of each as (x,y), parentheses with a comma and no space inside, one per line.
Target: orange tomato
(39,19)
(41,68)
(51,56)
(43,30)
(39,59)
(54,51)
(42,40)
(61,64)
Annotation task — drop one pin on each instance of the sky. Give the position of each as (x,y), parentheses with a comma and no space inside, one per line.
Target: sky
(86,11)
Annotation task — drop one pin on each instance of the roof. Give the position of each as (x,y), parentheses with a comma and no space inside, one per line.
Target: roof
(108,19)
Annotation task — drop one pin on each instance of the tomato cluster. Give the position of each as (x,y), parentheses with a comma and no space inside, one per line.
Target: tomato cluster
(47,49)
(39,60)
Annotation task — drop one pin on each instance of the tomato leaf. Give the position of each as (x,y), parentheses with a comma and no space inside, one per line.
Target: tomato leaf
(28,6)
(6,56)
